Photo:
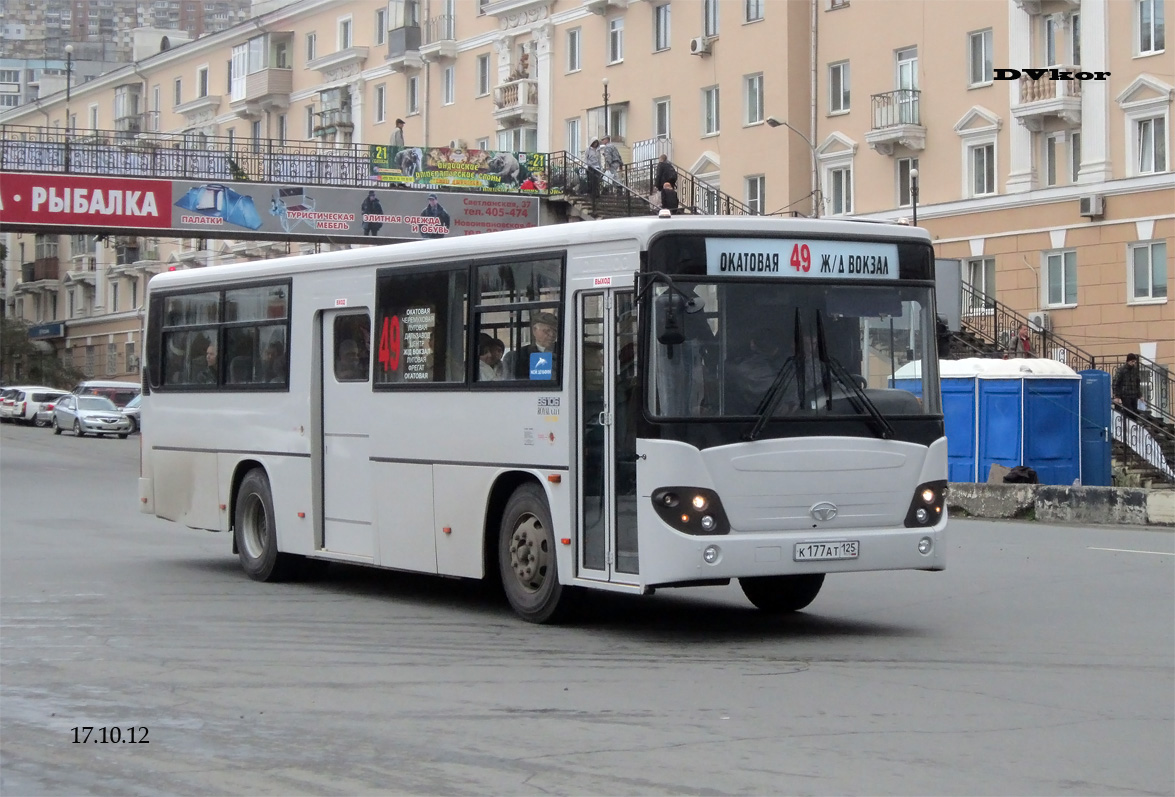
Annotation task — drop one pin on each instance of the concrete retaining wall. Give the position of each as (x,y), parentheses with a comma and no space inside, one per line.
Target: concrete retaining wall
(1098,505)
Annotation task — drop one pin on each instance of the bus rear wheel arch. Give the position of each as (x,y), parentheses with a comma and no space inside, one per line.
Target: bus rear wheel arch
(782,594)
(527,558)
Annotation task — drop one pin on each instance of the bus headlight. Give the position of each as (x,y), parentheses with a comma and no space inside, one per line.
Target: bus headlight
(927,505)
(691,510)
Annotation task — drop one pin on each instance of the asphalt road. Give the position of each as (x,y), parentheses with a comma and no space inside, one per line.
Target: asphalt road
(1042,661)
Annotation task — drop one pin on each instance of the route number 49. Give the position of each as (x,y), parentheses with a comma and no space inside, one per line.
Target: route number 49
(801,257)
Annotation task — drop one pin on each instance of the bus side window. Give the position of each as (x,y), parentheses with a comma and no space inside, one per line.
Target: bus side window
(352,347)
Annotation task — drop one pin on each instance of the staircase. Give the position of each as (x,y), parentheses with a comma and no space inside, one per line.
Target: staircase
(630,196)
(987,329)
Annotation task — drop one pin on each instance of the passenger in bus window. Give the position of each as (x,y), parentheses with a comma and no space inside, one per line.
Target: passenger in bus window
(490,352)
(207,375)
(348,366)
(275,362)
(544,329)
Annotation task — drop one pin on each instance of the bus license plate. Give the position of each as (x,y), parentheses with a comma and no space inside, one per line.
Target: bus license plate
(823,551)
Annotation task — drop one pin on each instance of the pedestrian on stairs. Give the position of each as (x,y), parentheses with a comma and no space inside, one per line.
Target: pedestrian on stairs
(665,173)
(669,200)
(610,155)
(1128,384)
(591,157)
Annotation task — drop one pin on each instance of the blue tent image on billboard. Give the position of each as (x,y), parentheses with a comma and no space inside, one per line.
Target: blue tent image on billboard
(214,199)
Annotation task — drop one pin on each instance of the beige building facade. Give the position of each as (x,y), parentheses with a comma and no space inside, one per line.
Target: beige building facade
(1056,196)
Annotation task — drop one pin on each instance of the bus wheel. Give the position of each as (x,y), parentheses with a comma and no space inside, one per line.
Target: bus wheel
(526,557)
(255,530)
(780,594)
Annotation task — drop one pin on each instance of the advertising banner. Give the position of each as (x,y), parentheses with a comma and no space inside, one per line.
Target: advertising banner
(253,210)
(474,169)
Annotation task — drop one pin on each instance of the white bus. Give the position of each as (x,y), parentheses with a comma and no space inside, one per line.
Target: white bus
(681,401)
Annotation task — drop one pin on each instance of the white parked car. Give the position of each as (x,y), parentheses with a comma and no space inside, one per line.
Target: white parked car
(21,404)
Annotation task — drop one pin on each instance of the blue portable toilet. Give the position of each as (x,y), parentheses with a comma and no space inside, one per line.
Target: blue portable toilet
(1095,429)
(1010,412)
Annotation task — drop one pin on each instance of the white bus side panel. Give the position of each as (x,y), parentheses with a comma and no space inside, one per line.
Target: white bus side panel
(187,489)
(402,495)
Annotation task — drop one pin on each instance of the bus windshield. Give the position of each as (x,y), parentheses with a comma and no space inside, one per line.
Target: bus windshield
(788,349)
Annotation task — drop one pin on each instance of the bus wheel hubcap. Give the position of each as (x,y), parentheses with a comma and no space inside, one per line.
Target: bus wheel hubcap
(255,526)
(528,553)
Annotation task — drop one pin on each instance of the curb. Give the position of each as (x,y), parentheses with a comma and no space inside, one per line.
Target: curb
(1124,506)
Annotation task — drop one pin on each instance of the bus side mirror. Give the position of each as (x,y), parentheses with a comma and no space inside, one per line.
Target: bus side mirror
(670,308)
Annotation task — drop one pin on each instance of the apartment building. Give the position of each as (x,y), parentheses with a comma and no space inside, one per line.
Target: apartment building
(1056,196)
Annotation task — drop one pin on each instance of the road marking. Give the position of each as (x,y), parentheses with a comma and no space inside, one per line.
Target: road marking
(1127,550)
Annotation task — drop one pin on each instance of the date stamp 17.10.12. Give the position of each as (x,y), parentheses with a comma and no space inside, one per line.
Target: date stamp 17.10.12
(110,735)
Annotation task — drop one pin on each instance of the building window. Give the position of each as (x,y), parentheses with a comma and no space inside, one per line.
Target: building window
(574,39)
(905,181)
(381,103)
(661,118)
(309,121)
(1150,139)
(1061,278)
(483,75)
(1050,40)
(756,191)
(615,40)
(345,34)
(710,111)
(202,82)
(753,96)
(179,91)
(1052,145)
(111,359)
(381,25)
(1074,156)
(114,297)
(979,46)
(1148,271)
(413,95)
(282,129)
(661,27)
(981,169)
(1075,38)
(840,191)
(483,143)
(979,275)
(838,87)
(448,86)
(311,46)
(94,117)
(1151,32)
(752,10)
(709,18)
(574,143)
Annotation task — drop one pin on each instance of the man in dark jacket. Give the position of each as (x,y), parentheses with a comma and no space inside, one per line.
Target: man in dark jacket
(669,200)
(1128,384)
(372,207)
(665,173)
(438,212)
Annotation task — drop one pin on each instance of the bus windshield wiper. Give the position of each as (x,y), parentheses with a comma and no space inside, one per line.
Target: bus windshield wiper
(770,401)
(859,399)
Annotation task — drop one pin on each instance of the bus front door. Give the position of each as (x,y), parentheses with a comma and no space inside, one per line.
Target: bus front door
(608,402)
(347,514)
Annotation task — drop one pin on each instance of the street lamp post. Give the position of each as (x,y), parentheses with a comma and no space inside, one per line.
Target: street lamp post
(817,191)
(914,193)
(605,106)
(68,90)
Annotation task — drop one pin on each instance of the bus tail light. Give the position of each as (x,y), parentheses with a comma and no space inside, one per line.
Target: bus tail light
(927,505)
(691,510)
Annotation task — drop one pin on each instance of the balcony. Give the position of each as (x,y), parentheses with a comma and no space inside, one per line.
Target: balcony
(199,110)
(1051,6)
(440,39)
(40,276)
(516,102)
(336,66)
(265,90)
(84,271)
(604,6)
(1047,97)
(897,121)
(404,48)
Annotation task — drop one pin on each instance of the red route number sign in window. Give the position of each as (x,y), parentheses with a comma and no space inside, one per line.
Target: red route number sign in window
(801,257)
(390,343)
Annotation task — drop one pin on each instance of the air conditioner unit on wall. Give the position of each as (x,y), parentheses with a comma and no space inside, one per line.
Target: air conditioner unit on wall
(699,46)
(1093,206)
(1040,321)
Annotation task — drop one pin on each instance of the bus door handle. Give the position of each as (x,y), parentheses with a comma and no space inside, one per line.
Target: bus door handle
(604,419)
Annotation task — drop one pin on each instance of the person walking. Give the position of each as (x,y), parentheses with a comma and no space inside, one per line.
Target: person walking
(1128,384)
(665,173)
(1021,344)
(612,162)
(397,143)
(591,157)
(669,200)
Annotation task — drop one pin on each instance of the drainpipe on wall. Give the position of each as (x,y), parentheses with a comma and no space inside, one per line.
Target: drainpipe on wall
(427,88)
(817,200)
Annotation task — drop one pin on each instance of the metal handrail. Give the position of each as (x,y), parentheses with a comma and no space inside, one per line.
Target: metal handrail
(1158,384)
(998,325)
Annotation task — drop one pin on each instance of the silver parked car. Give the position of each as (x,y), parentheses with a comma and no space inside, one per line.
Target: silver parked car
(89,415)
(131,410)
